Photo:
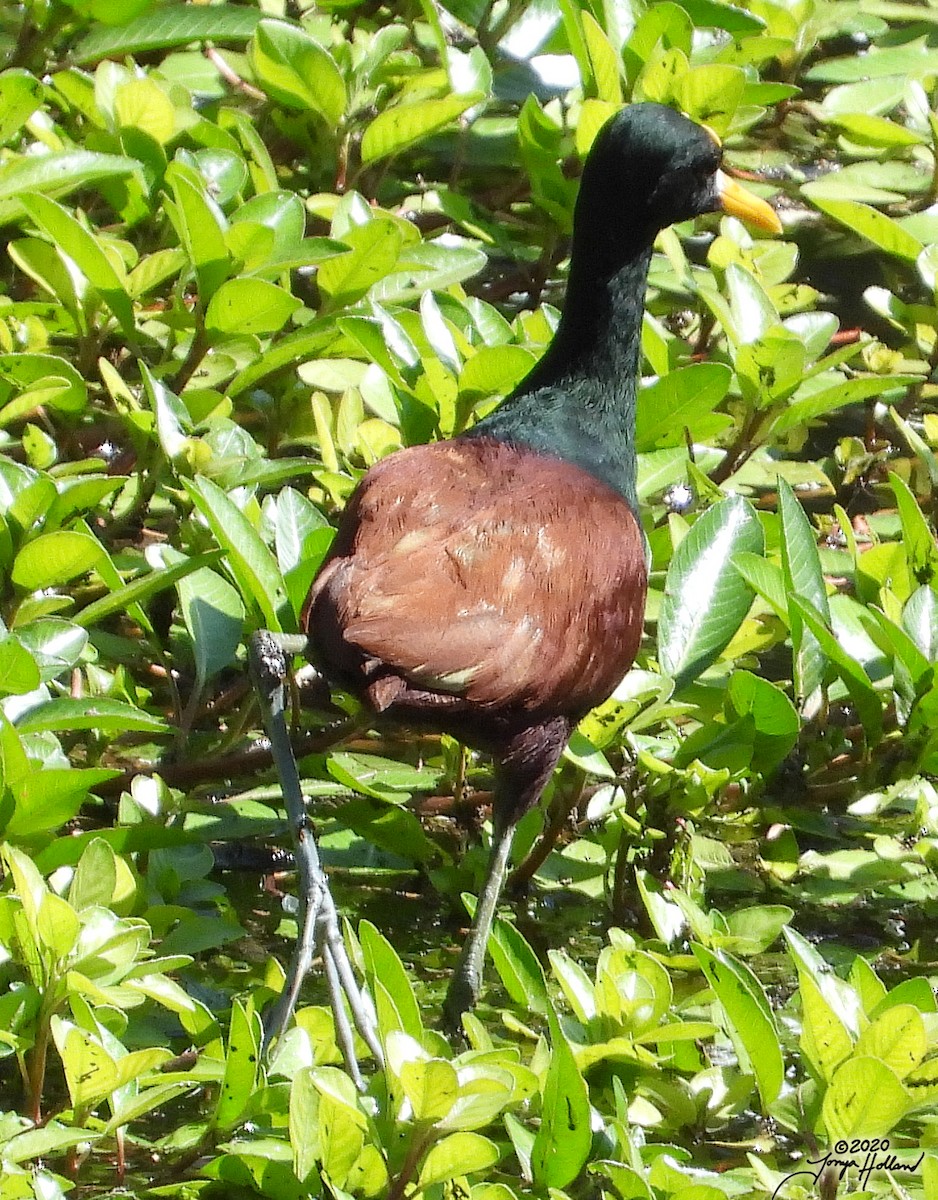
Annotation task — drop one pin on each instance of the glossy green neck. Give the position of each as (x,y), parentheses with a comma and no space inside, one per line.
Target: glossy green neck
(578,403)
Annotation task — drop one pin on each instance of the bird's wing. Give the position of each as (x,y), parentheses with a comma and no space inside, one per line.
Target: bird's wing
(501,577)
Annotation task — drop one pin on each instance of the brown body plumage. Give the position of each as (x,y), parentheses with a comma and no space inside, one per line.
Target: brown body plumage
(481,587)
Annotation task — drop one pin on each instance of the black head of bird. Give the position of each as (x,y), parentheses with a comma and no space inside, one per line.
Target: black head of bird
(493,586)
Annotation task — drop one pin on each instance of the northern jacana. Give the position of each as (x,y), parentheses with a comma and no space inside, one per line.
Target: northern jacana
(493,586)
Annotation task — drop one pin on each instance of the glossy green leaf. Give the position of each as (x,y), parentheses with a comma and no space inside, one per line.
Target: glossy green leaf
(246,306)
(57,174)
(214,616)
(917,537)
(176,25)
(47,799)
(20,96)
(920,622)
(55,558)
(562,1142)
(382,963)
(405,125)
(73,239)
(865,1099)
(201,227)
(749,1019)
(801,570)
(675,405)
(373,253)
(867,702)
(518,966)
(32,381)
(297,71)
(456,1155)
(872,225)
(101,714)
(141,589)
(705,598)
(252,564)
(19,672)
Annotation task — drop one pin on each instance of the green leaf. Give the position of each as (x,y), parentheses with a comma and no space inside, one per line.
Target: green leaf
(242,1066)
(875,131)
(809,407)
(575,984)
(751,308)
(716,14)
(55,558)
(896,1038)
(373,252)
(605,64)
(872,225)
(302,540)
(46,799)
(296,71)
(57,174)
(749,1019)
(39,381)
(775,721)
(73,239)
(918,445)
(19,672)
(20,95)
(201,228)
(801,569)
(518,966)
(677,402)
(90,1072)
(95,878)
(431,1086)
(864,1099)
(456,1155)
(214,617)
(917,538)
(303,1115)
(142,588)
(494,371)
(712,93)
(428,265)
(705,598)
(405,125)
(175,25)
(766,579)
(252,564)
(382,963)
(246,306)
(562,1143)
(98,713)
(920,622)
(865,699)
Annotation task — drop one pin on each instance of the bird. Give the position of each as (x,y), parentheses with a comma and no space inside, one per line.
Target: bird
(492,586)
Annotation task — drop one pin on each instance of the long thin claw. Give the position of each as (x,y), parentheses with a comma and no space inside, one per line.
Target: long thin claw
(343,1030)
(359,1001)
(318,925)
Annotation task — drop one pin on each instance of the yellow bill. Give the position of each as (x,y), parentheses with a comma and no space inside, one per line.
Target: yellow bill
(738,202)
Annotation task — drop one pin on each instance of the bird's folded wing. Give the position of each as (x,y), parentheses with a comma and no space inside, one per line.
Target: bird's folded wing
(520,588)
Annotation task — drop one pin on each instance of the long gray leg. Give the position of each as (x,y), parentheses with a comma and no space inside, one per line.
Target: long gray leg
(318,924)
(522,772)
